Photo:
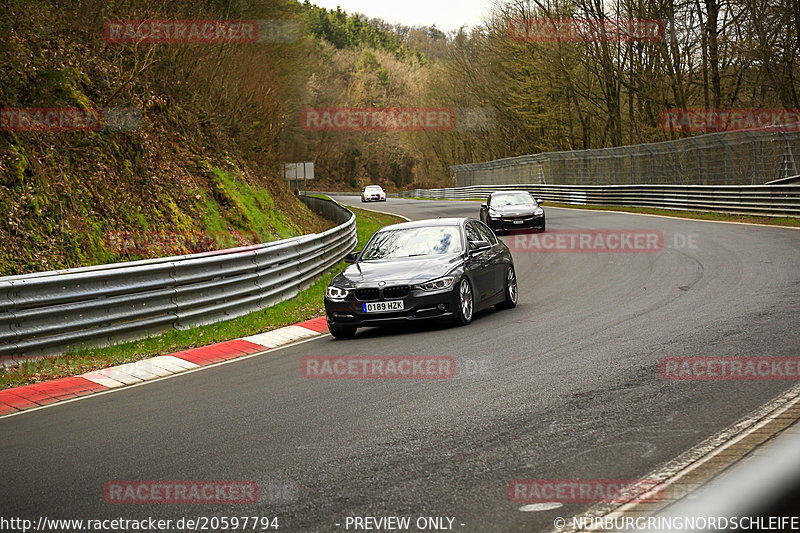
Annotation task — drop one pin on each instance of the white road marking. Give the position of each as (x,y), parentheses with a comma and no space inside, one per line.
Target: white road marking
(278,337)
(168,363)
(675,217)
(103,380)
(139,383)
(539,507)
(694,458)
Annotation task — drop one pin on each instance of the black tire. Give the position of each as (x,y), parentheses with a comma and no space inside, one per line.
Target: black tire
(342,332)
(465,304)
(511,290)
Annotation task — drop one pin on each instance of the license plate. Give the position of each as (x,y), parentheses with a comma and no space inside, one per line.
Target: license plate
(382,307)
(518,221)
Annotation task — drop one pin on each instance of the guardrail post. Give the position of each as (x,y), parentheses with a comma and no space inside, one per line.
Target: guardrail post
(582,162)
(7,312)
(755,156)
(788,167)
(756,177)
(721,139)
(699,159)
(652,164)
(675,165)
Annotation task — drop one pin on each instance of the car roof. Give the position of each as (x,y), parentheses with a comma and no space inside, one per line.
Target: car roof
(428,222)
(373,187)
(515,191)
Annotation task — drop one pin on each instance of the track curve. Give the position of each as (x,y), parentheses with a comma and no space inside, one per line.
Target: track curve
(569,388)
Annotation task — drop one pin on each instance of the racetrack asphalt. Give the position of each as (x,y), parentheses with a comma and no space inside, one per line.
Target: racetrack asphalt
(565,386)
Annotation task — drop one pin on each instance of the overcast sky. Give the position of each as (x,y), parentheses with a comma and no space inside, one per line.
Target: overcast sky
(446,14)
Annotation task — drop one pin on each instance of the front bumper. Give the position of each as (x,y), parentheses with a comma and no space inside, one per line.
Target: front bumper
(536,222)
(374,198)
(419,305)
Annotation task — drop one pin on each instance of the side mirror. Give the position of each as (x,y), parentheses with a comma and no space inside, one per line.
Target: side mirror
(352,257)
(477,246)
(539,200)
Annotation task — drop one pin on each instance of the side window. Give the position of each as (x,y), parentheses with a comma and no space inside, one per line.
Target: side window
(472,233)
(487,234)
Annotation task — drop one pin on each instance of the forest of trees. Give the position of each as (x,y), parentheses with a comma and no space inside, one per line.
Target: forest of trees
(534,96)
(543,96)
(219,118)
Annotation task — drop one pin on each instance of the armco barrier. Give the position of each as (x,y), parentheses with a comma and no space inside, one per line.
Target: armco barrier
(758,200)
(51,312)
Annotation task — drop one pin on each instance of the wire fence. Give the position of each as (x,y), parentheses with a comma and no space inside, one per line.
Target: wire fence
(746,157)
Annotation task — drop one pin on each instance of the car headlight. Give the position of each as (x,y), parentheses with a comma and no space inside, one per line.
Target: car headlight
(493,213)
(538,211)
(335,293)
(437,284)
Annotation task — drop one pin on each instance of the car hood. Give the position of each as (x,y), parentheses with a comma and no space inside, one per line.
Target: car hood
(396,271)
(512,210)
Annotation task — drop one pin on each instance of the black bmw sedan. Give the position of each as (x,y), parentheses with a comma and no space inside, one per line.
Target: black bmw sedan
(445,269)
(513,210)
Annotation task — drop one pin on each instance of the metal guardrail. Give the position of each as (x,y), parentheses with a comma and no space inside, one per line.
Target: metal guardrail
(339,193)
(758,200)
(51,312)
(785,181)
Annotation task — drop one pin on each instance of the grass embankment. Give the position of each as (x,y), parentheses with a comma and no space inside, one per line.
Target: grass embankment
(696,215)
(308,304)
(195,168)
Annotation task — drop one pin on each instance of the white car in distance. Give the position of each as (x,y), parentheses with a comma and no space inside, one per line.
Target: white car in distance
(373,193)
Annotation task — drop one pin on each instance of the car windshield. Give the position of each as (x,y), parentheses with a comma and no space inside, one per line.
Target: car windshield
(373,189)
(410,242)
(509,199)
